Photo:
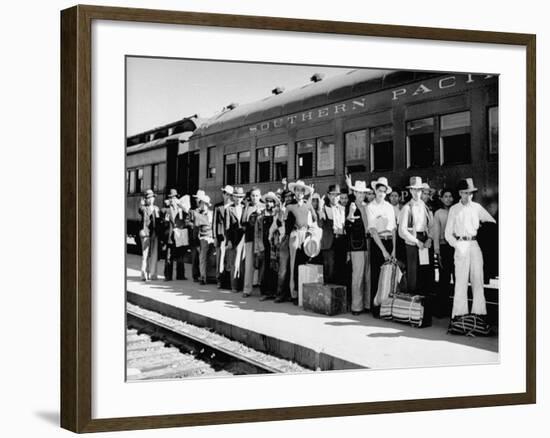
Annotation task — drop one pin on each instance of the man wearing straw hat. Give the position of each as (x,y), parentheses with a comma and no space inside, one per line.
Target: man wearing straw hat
(415,225)
(299,217)
(263,249)
(203,221)
(461,230)
(250,215)
(149,214)
(332,218)
(174,223)
(382,227)
(356,230)
(218,227)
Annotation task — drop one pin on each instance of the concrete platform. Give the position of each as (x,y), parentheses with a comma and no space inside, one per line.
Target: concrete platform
(312,340)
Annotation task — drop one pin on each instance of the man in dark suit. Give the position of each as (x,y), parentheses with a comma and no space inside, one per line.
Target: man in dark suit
(234,236)
(175,222)
(333,244)
(219,231)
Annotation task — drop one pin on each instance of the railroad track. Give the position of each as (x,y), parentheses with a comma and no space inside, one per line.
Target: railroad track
(159,347)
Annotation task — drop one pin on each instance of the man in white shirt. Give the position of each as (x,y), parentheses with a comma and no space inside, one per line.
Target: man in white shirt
(415,223)
(382,227)
(461,231)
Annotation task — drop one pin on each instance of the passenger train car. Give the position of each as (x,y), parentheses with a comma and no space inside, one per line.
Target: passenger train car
(369,123)
(440,126)
(158,159)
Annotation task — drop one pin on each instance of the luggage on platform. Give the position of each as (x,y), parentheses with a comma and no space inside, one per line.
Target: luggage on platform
(326,299)
(308,273)
(469,325)
(388,281)
(407,309)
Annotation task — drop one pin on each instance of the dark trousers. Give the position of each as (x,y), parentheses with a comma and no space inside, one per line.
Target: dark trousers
(420,279)
(328,265)
(376,262)
(446,271)
(174,255)
(195,262)
(283,275)
(236,281)
(268,277)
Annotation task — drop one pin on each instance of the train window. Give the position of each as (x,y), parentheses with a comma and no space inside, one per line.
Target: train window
(381,148)
(244,167)
(231,169)
(455,138)
(139,180)
(210,162)
(130,181)
(325,156)
(263,164)
(280,162)
(420,142)
(304,158)
(158,176)
(356,151)
(493,130)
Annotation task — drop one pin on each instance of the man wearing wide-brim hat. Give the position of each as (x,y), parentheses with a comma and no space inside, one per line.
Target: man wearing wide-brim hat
(203,221)
(415,224)
(299,217)
(461,232)
(357,232)
(175,222)
(149,217)
(219,231)
(382,227)
(332,218)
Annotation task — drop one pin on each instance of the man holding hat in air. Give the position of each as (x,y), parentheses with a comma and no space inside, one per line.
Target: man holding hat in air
(149,214)
(461,230)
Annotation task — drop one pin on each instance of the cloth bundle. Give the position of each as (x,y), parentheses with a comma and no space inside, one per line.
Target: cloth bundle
(405,308)
(388,282)
(469,325)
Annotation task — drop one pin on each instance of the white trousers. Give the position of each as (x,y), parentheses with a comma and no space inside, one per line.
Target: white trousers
(468,265)
(149,256)
(360,281)
(296,240)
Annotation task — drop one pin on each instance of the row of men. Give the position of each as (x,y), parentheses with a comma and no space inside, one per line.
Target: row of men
(275,233)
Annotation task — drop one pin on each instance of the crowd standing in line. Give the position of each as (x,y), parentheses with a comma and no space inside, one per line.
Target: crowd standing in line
(263,239)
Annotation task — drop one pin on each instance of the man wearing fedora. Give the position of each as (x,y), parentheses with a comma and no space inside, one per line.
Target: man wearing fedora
(382,227)
(149,216)
(415,225)
(356,230)
(194,241)
(299,217)
(234,233)
(461,230)
(174,222)
(332,219)
(249,218)
(203,222)
(218,227)
(263,248)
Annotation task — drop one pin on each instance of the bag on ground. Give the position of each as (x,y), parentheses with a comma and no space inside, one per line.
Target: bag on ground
(469,325)
(388,282)
(407,309)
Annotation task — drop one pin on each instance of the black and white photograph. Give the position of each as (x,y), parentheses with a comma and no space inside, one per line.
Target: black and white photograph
(297,218)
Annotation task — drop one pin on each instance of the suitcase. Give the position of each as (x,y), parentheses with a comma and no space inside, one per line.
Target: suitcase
(308,273)
(407,309)
(388,282)
(326,299)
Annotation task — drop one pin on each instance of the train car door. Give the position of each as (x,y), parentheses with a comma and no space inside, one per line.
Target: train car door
(188,173)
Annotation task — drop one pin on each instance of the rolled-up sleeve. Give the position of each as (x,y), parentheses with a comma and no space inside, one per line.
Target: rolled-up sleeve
(449,229)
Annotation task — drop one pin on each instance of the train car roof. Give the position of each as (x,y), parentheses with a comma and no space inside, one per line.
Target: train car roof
(351,84)
(160,142)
